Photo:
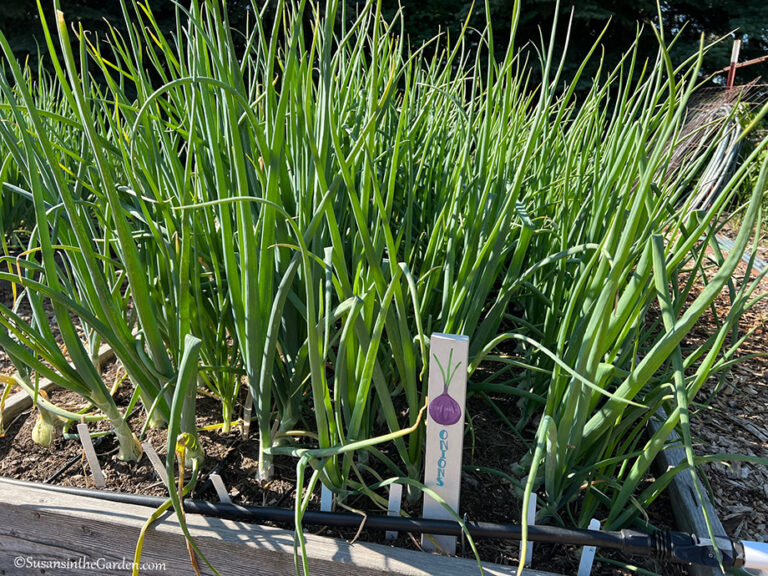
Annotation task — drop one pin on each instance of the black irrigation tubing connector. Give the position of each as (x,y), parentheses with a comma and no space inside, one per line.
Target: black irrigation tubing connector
(665,546)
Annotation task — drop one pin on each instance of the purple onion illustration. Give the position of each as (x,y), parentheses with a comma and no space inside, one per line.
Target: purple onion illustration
(444,409)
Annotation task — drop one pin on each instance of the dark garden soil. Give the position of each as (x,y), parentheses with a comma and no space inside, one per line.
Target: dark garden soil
(731,421)
(485,497)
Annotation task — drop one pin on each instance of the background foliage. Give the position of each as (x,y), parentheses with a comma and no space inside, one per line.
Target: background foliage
(713,19)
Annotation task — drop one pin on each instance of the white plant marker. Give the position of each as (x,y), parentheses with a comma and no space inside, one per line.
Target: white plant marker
(448,355)
(531,522)
(393,509)
(221,490)
(326,499)
(90,455)
(247,414)
(588,552)
(154,459)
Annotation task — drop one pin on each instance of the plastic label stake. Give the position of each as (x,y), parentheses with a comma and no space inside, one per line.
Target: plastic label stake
(157,464)
(448,355)
(90,455)
(588,552)
(531,522)
(221,490)
(393,509)
(326,499)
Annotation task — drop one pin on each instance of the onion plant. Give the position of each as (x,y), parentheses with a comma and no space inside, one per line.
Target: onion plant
(85,258)
(628,201)
(16,213)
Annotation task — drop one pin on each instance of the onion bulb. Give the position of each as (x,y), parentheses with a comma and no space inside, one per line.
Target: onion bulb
(47,427)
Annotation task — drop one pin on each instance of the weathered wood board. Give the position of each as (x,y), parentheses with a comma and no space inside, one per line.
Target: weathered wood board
(77,536)
(686,505)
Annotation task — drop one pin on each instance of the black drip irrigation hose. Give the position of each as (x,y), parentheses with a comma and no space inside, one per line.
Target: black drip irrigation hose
(665,546)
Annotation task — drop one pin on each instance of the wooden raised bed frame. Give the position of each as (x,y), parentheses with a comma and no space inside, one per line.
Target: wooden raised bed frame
(51,527)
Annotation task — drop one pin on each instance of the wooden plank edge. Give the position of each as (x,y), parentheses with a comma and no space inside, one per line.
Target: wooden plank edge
(687,507)
(44,526)
(21,401)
